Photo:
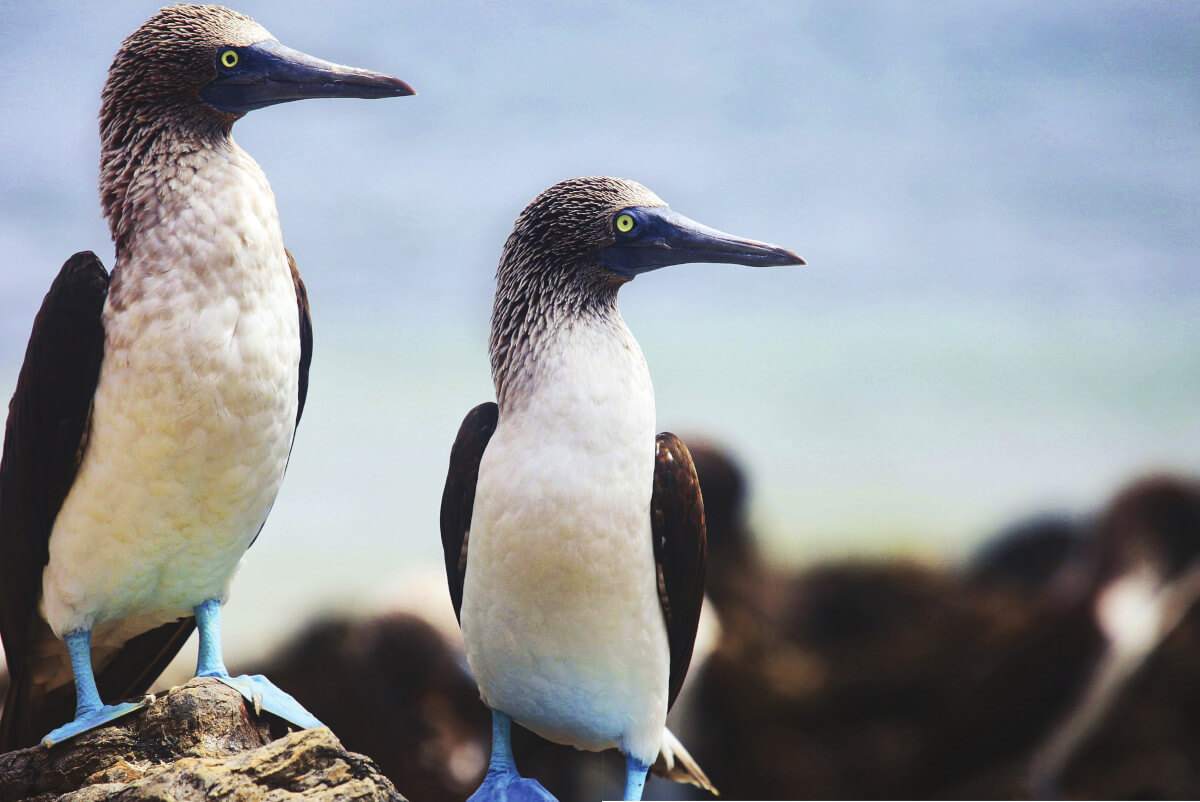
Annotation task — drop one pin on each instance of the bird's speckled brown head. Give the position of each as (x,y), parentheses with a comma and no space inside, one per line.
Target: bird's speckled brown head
(572,220)
(549,268)
(180,81)
(578,242)
(151,102)
(171,57)
(608,230)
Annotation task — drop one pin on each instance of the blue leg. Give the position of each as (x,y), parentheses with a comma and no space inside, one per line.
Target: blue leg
(635,778)
(502,783)
(257,689)
(89,711)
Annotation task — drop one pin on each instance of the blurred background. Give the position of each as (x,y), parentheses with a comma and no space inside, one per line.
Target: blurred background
(999,204)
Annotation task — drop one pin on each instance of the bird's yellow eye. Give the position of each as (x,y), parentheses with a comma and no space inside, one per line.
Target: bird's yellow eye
(624,223)
(229,58)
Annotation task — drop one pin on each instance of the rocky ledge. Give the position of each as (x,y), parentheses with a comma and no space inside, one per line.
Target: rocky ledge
(195,742)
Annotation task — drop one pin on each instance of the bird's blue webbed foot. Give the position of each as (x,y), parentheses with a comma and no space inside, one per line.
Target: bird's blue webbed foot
(257,689)
(508,786)
(503,783)
(89,711)
(89,720)
(265,695)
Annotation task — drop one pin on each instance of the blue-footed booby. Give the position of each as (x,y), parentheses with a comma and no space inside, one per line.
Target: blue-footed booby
(155,411)
(573,537)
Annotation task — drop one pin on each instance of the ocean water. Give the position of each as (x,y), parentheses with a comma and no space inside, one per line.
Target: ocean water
(1000,206)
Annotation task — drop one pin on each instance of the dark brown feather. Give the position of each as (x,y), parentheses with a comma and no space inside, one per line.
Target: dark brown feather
(43,443)
(677,524)
(458,498)
(306,333)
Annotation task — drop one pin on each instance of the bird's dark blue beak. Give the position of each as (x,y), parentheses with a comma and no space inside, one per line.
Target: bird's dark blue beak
(650,237)
(266,73)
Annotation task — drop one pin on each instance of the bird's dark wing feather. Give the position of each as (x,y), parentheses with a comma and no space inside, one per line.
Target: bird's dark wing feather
(458,498)
(306,333)
(677,523)
(44,442)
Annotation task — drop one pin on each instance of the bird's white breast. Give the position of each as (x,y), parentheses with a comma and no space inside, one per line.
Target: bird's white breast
(560,614)
(196,404)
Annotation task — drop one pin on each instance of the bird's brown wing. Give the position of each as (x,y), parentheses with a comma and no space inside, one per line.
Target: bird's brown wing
(44,442)
(458,498)
(677,524)
(306,333)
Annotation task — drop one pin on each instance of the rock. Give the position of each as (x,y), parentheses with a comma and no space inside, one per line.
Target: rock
(842,692)
(196,742)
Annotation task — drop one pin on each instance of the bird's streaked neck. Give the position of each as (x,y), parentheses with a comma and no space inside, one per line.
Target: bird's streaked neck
(536,307)
(139,137)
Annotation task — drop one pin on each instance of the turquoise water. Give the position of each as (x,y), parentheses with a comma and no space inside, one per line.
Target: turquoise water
(999,204)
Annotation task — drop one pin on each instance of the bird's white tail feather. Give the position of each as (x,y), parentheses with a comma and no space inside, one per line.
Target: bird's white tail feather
(674,763)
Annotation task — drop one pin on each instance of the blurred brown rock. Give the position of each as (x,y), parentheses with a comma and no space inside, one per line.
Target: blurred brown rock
(841,695)
(1149,745)
(734,567)
(1030,556)
(195,742)
(392,688)
(891,679)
